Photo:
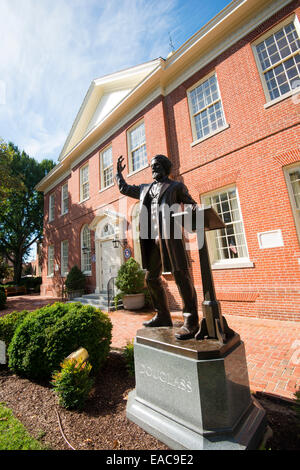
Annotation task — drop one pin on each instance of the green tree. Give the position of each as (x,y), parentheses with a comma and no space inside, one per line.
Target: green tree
(21,215)
(8,181)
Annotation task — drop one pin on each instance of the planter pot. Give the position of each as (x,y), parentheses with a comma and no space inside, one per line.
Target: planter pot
(133,301)
(75,293)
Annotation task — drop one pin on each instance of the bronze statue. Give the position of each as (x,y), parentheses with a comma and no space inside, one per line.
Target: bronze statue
(161,250)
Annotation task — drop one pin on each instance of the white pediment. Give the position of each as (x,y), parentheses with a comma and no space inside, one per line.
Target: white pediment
(102,98)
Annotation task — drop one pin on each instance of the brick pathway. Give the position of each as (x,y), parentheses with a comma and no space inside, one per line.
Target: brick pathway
(272,346)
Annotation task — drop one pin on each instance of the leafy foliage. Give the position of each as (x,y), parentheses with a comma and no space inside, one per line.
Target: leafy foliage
(9,323)
(13,435)
(51,333)
(2,298)
(130,278)
(75,280)
(22,210)
(73,384)
(129,357)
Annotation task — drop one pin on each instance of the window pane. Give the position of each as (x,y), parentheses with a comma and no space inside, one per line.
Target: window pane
(230,242)
(86,249)
(137,141)
(276,52)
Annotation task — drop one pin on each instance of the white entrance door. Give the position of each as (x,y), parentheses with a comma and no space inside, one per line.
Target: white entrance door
(110,262)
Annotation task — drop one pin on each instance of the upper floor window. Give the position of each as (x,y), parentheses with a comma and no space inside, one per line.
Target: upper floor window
(206,108)
(106,167)
(137,147)
(227,245)
(86,261)
(50,260)
(293,182)
(279,60)
(51,207)
(64,199)
(84,183)
(64,258)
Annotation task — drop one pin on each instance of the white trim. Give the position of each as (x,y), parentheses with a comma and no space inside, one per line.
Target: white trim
(86,165)
(192,116)
(51,208)
(232,262)
(196,142)
(137,171)
(48,259)
(106,187)
(102,187)
(65,273)
(62,199)
(286,172)
(237,263)
(269,101)
(290,94)
(233,38)
(139,123)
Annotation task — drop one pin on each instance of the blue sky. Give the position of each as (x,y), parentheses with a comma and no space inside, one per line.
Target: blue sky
(52,49)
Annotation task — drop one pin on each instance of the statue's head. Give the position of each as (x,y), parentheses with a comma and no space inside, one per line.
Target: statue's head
(161,167)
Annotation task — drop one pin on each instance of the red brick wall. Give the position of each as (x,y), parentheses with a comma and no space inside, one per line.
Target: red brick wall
(250,154)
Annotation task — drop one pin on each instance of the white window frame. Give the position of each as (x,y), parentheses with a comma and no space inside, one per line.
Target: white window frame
(64,210)
(131,150)
(269,101)
(51,214)
(50,261)
(82,199)
(197,140)
(241,262)
(287,171)
(64,260)
(87,272)
(102,169)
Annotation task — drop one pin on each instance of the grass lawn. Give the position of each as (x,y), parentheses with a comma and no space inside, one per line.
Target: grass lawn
(13,435)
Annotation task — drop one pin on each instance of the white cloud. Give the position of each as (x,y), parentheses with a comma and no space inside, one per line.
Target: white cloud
(52,49)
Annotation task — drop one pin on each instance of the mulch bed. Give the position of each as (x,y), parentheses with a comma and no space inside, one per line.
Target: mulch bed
(103,423)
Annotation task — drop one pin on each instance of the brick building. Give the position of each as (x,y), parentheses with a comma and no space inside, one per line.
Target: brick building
(225,108)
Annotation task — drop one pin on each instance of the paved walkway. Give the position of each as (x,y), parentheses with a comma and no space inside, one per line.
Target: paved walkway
(272,346)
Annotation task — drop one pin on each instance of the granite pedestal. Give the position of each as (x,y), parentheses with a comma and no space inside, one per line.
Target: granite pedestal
(192,394)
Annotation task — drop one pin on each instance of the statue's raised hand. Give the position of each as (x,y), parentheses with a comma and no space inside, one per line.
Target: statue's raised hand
(120,166)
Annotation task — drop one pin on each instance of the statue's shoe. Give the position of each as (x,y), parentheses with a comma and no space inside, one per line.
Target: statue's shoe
(158,321)
(186,332)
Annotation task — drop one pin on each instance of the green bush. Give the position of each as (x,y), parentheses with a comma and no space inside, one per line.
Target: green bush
(73,384)
(75,280)
(2,298)
(9,324)
(130,278)
(129,357)
(48,335)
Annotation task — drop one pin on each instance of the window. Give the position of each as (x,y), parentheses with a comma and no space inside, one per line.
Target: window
(206,108)
(278,57)
(64,199)
(107,231)
(84,183)
(51,207)
(50,260)
(106,166)
(64,257)
(86,265)
(228,244)
(293,182)
(137,147)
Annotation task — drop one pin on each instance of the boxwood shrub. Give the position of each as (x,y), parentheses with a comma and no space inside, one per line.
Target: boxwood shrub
(49,334)
(9,324)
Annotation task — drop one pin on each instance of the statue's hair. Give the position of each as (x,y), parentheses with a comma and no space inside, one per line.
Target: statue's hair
(167,164)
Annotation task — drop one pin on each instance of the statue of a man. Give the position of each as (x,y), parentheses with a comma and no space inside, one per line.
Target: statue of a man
(161,251)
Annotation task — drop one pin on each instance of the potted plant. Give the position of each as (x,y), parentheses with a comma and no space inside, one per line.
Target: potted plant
(131,283)
(75,283)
